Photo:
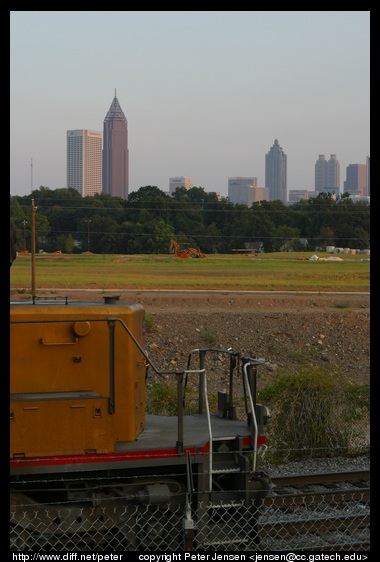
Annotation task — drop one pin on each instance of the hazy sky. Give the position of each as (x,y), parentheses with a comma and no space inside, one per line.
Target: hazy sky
(205,94)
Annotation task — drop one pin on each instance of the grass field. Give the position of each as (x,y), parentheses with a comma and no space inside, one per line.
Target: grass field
(280,271)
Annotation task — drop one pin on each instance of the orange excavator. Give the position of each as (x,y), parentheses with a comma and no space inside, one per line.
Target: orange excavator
(184,252)
(178,252)
(194,253)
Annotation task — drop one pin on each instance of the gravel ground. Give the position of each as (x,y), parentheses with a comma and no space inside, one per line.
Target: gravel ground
(316,466)
(286,331)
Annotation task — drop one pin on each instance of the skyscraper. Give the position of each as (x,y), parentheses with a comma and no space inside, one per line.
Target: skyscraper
(327,175)
(333,175)
(356,182)
(368,176)
(239,189)
(243,190)
(276,173)
(84,161)
(115,152)
(320,172)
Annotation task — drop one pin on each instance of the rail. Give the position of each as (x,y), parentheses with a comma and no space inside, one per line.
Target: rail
(317,512)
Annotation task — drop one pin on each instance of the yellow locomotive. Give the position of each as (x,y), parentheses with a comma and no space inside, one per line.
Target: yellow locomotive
(90,470)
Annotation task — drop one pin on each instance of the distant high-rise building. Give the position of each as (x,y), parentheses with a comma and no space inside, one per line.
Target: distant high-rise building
(320,173)
(276,173)
(239,189)
(179,181)
(296,195)
(84,161)
(368,177)
(356,179)
(333,175)
(243,190)
(115,152)
(327,175)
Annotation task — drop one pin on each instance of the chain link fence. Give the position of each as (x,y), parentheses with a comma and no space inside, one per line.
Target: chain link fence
(147,522)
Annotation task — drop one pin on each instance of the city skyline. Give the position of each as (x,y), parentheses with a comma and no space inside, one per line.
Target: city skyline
(204,93)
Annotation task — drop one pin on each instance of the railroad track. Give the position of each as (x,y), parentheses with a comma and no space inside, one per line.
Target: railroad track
(322,512)
(326,479)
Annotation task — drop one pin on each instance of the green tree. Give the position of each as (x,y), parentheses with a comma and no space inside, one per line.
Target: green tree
(211,239)
(119,226)
(284,238)
(69,244)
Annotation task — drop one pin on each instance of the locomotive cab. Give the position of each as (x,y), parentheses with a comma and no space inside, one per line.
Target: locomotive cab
(90,469)
(77,378)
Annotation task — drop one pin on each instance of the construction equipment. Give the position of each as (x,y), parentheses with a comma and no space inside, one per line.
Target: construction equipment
(187,252)
(194,253)
(177,250)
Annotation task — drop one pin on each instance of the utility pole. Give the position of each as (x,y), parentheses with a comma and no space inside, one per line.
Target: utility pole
(31,175)
(88,221)
(33,242)
(24,223)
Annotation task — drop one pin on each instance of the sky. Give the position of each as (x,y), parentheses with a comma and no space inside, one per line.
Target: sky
(205,93)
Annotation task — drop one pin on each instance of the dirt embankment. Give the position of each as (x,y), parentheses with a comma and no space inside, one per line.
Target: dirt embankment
(287,332)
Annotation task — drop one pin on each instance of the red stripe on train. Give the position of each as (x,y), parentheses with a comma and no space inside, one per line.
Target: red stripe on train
(118,457)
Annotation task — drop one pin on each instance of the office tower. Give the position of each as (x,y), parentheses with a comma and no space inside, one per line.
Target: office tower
(356,179)
(333,175)
(327,175)
(115,152)
(368,177)
(84,161)
(296,195)
(276,173)
(239,189)
(179,181)
(244,191)
(320,172)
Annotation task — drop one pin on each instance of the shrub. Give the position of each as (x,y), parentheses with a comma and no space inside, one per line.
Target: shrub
(149,320)
(314,413)
(208,337)
(162,399)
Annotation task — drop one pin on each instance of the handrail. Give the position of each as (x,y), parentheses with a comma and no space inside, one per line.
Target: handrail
(210,457)
(254,420)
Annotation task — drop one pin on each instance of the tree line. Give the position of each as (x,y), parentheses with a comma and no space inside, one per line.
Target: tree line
(149,219)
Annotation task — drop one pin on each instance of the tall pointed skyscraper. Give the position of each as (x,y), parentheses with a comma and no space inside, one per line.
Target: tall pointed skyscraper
(115,167)
(276,173)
